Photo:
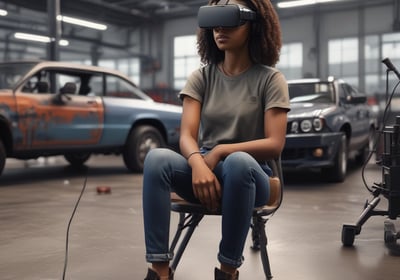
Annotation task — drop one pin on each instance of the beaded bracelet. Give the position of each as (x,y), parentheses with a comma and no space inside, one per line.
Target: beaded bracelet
(191,154)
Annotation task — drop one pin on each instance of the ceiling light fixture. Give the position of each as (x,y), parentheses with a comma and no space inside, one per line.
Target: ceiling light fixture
(32,37)
(298,3)
(63,42)
(3,12)
(82,22)
(38,38)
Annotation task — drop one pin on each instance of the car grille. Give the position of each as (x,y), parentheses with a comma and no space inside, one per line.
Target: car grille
(289,154)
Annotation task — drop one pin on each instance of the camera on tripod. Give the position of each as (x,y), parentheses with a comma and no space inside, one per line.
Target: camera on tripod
(389,188)
(391,168)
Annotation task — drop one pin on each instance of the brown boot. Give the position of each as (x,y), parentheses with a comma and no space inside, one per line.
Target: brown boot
(221,275)
(152,275)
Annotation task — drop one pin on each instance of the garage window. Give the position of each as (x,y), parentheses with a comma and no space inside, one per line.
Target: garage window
(291,60)
(186,59)
(343,59)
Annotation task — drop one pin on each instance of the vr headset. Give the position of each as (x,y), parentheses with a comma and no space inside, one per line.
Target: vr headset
(231,15)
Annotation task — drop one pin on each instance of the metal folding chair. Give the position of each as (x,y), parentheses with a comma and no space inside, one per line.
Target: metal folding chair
(191,214)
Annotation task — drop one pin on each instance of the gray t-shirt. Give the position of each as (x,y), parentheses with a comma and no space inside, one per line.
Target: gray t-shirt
(233,107)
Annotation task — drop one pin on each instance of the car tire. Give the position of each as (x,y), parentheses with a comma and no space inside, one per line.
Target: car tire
(77,159)
(337,173)
(140,141)
(3,156)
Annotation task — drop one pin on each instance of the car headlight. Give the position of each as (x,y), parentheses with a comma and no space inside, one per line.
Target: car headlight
(318,124)
(295,127)
(306,126)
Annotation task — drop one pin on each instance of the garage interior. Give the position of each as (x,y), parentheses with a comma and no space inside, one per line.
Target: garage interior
(345,38)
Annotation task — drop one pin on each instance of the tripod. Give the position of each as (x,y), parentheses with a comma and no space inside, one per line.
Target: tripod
(389,188)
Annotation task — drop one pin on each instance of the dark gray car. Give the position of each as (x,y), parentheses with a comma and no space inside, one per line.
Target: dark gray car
(329,122)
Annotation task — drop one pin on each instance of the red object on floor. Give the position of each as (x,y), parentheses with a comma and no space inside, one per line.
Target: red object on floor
(103,189)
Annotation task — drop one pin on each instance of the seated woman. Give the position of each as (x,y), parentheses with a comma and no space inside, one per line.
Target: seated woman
(234,119)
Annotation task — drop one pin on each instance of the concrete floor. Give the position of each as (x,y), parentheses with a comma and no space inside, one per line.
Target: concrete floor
(37,199)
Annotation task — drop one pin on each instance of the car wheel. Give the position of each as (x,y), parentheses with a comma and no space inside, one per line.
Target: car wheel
(364,152)
(337,173)
(140,141)
(3,156)
(77,159)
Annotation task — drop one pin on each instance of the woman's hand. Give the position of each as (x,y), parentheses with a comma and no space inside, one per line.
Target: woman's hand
(206,186)
(214,156)
(211,159)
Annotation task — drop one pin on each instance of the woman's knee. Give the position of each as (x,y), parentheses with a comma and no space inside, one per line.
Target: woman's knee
(239,161)
(157,170)
(239,166)
(156,157)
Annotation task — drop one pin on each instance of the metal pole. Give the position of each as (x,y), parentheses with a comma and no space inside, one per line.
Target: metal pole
(53,11)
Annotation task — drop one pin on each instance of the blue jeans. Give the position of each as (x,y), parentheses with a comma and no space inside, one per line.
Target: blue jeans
(245,185)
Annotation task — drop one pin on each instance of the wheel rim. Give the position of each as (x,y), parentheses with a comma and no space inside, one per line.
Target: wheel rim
(148,143)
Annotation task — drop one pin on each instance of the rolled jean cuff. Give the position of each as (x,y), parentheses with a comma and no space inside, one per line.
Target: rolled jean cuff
(152,258)
(230,262)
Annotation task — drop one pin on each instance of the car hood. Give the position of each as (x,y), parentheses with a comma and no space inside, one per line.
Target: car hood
(166,107)
(309,110)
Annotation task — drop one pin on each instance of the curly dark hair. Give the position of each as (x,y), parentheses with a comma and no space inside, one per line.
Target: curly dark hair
(265,39)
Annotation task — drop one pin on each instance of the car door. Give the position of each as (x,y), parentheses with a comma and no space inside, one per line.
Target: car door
(358,114)
(54,116)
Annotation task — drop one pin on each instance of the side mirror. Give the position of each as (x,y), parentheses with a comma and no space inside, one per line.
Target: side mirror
(356,99)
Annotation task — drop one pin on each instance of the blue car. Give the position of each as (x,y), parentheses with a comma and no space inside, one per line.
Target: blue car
(55,108)
(329,122)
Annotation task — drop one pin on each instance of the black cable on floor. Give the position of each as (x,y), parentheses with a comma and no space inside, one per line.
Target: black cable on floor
(69,225)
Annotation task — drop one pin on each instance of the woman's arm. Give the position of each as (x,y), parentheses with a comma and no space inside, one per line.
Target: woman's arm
(205,184)
(190,124)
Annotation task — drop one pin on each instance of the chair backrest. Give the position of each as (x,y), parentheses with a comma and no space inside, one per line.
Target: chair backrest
(275,192)
(276,182)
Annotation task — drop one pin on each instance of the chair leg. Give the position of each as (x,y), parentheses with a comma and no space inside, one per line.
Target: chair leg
(189,221)
(262,241)
(180,228)
(255,236)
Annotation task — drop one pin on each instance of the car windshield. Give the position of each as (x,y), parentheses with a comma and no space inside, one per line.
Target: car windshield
(11,73)
(318,92)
